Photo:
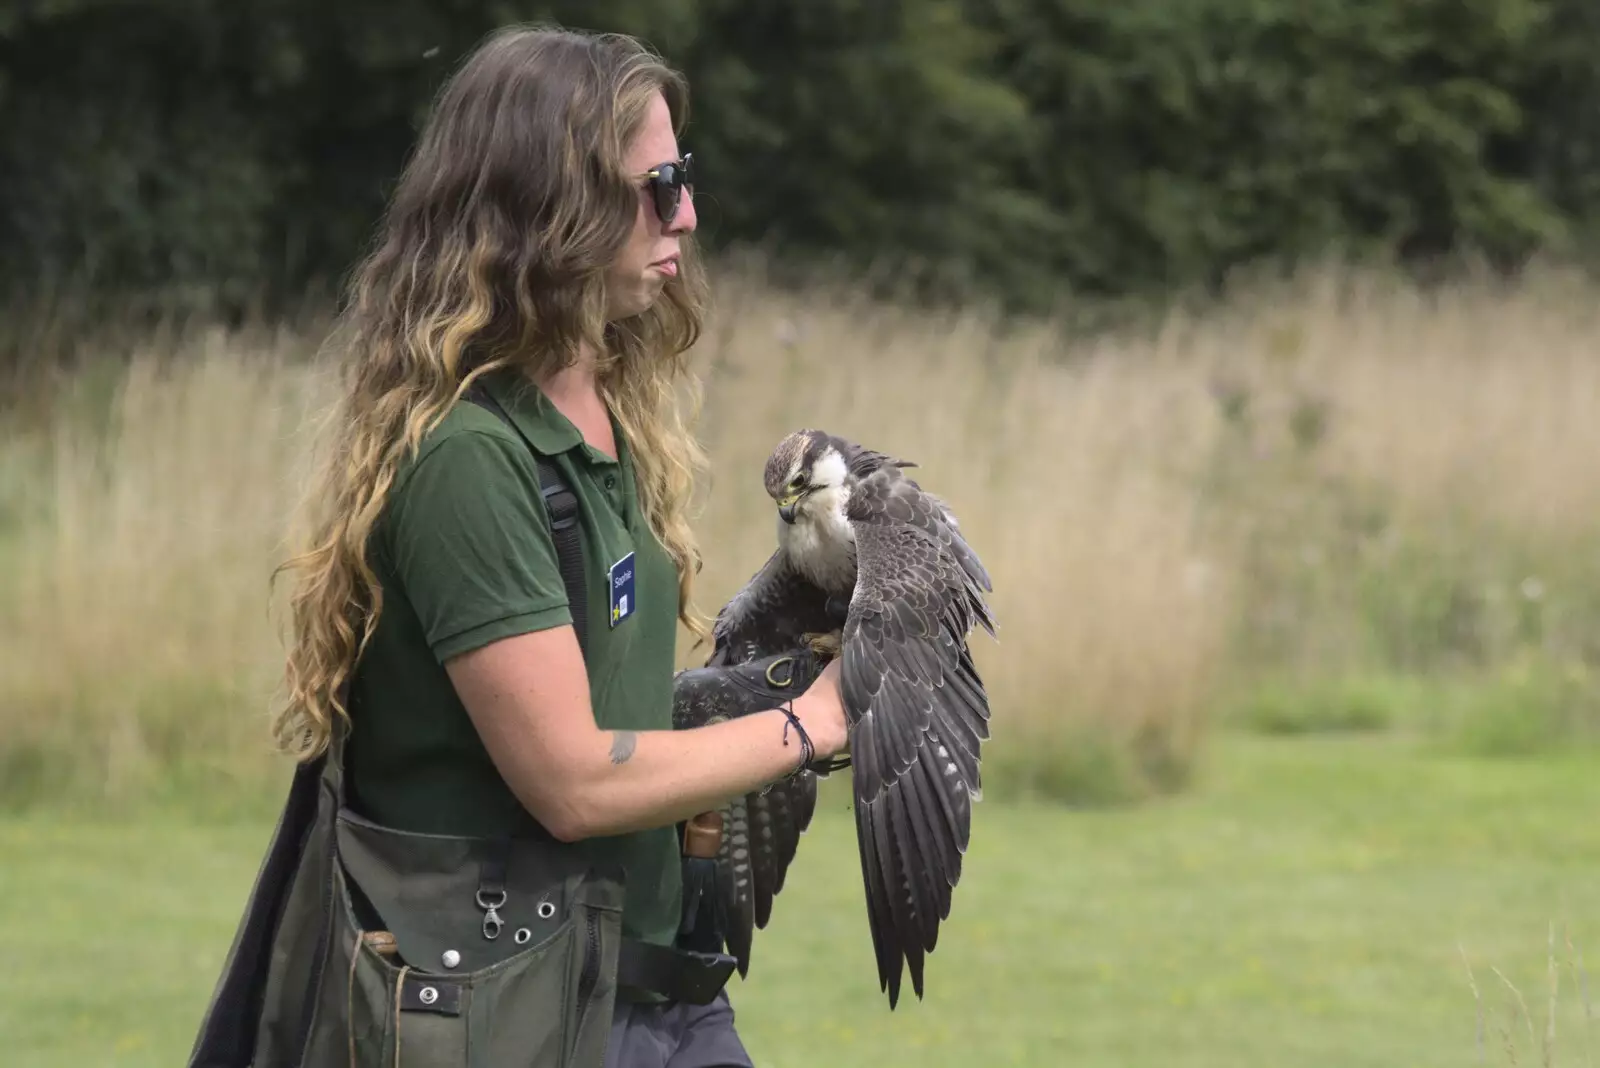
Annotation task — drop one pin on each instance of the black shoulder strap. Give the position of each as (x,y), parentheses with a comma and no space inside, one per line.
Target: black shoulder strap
(562,504)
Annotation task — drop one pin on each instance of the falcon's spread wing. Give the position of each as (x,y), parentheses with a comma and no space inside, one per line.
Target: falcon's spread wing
(771,614)
(761,833)
(918,713)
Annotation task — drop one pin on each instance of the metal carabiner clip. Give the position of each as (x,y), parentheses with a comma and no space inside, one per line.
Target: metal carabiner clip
(491,918)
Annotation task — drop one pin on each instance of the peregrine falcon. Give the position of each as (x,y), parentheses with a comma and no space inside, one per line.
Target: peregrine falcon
(874,569)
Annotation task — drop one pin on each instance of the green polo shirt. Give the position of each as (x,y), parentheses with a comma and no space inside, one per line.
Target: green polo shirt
(465,557)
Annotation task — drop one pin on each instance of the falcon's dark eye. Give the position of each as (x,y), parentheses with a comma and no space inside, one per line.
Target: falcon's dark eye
(797,481)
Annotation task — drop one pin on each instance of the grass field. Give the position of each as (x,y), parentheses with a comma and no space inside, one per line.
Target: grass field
(1307,903)
(1296,698)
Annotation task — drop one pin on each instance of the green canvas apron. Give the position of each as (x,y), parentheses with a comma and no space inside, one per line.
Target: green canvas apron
(389,946)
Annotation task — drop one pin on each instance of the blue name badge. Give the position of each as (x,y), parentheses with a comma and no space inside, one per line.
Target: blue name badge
(623,601)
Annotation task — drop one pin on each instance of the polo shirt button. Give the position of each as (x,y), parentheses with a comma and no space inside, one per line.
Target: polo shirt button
(611,482)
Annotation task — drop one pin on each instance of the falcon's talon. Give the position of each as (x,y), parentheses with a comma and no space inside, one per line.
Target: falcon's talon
(826,646)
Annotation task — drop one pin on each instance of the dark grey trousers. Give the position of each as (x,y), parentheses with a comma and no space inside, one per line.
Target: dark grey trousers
(675,1035)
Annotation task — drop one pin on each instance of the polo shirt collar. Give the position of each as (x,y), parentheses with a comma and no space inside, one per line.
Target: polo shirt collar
(546,428)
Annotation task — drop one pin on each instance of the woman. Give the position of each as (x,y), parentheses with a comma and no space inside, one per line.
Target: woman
(538,243)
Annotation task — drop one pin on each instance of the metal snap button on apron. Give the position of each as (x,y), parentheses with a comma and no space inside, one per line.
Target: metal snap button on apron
(428,995)
(451,958)
(523,936)
(547,909)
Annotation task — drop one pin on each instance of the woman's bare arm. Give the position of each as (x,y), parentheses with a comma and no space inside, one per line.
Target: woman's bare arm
(528,695)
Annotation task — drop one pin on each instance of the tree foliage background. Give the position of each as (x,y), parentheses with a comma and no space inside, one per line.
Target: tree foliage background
(1020,148)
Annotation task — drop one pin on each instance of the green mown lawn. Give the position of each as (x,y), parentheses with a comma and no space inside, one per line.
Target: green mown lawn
(1307,904)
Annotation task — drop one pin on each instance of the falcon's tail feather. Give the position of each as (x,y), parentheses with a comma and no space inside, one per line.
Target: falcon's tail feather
(763,866)
(733,867)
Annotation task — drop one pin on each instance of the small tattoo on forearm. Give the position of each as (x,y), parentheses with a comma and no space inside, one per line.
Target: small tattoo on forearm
(622,745)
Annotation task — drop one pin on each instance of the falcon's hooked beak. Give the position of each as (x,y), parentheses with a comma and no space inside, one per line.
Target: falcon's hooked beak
(786,507)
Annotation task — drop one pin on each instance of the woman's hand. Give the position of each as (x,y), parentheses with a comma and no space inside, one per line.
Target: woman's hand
(821,711)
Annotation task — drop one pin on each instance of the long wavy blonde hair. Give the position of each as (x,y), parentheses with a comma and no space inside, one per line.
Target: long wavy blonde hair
(493,253)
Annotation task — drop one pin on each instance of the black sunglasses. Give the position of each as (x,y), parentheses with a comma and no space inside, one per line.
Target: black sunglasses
(667,183)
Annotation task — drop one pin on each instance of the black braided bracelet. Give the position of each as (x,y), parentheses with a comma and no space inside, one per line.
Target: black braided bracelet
(808,751)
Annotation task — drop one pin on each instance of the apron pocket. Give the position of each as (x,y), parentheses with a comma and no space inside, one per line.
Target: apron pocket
(524,1000)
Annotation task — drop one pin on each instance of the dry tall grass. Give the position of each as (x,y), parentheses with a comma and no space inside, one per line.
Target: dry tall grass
(136,635)
(1135,498)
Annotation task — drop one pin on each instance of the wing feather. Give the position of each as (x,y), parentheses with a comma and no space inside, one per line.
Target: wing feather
(919,713)
(771,614)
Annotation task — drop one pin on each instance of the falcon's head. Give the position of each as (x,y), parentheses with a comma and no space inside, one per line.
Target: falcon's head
(807,472)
